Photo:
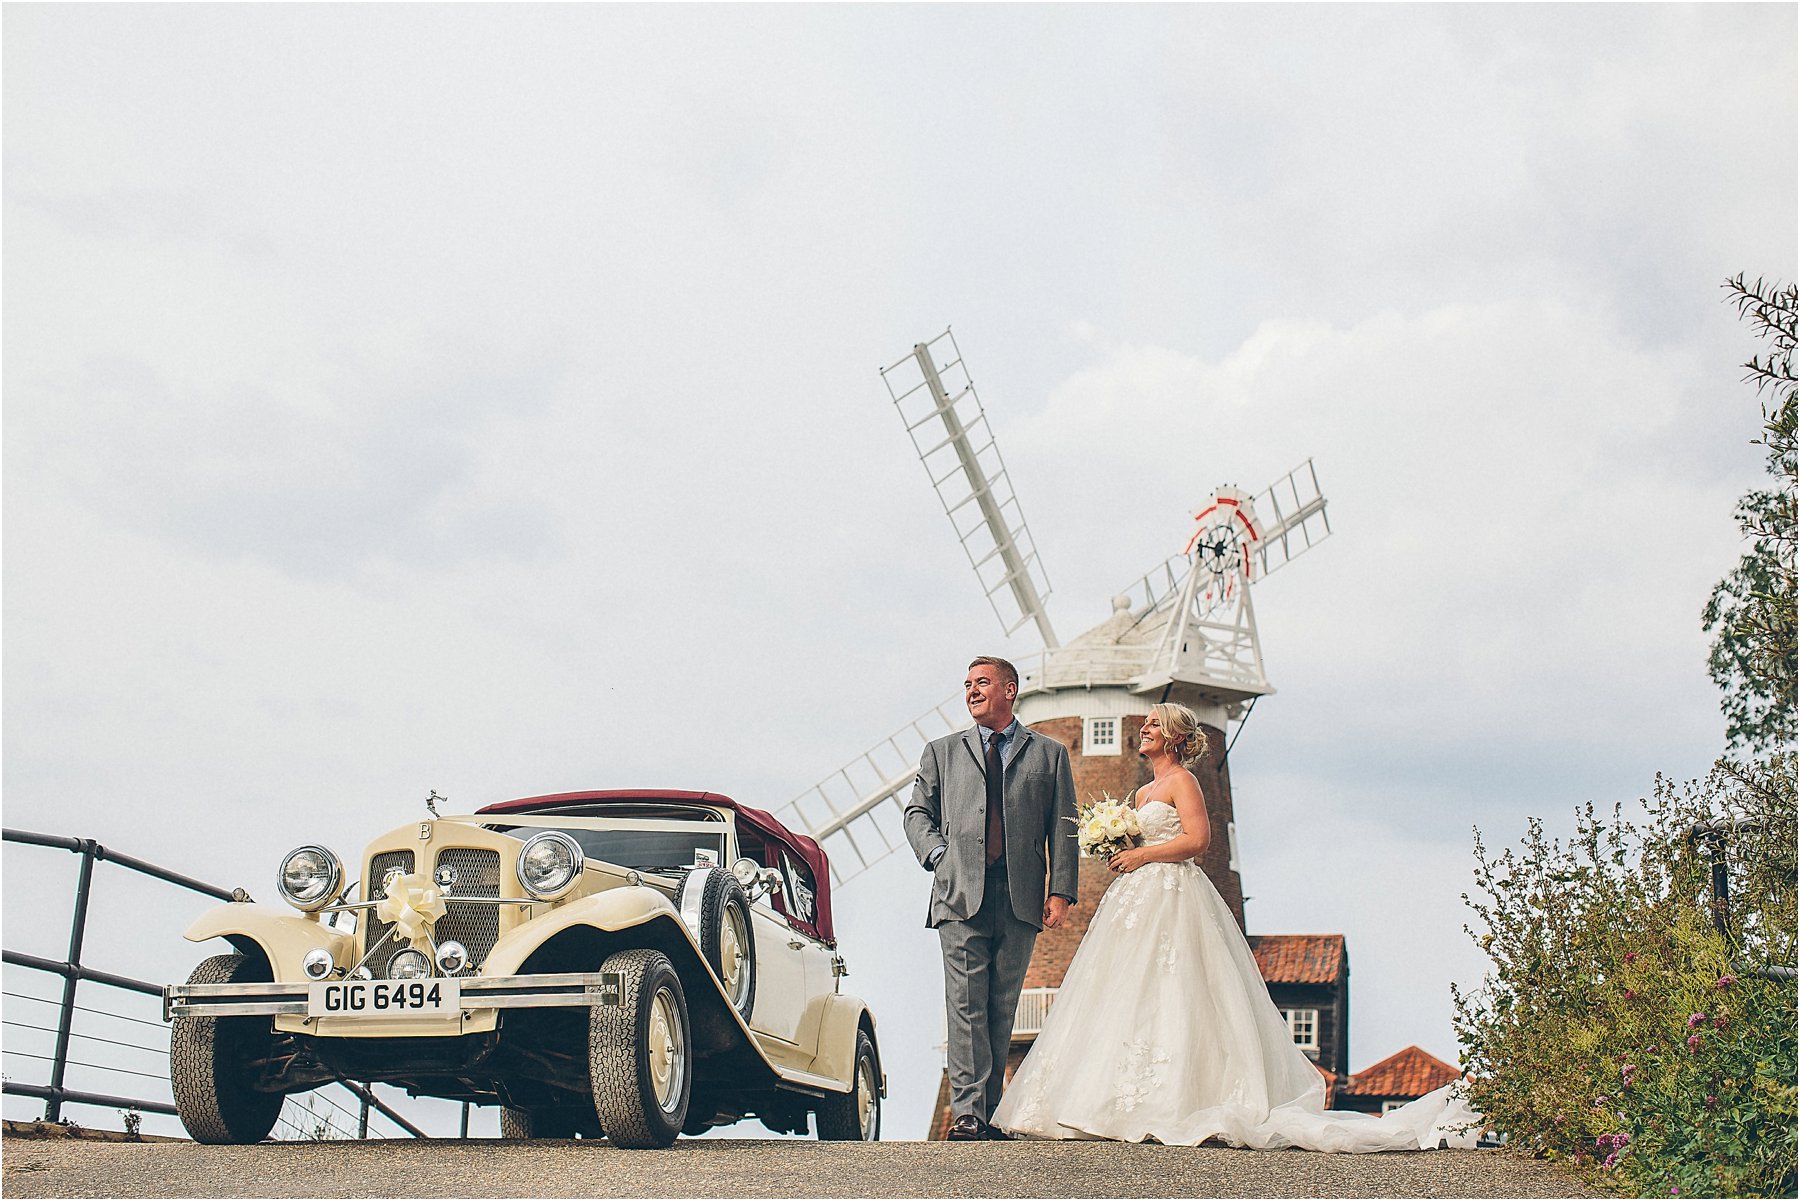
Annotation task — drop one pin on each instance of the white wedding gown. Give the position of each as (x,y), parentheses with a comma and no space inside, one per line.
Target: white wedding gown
(1163,1029)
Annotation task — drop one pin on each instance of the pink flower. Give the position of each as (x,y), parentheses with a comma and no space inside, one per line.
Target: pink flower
(1610,1160)
(1727,980)
(1693,1042)
(1630,995)
(1674,1190)
(1600,1101)
(1695,1019)
(1711,1100)
(1719,1022)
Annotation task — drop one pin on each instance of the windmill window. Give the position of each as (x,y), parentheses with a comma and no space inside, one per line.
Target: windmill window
(1303,1024)
(1100,736)
(1231,845)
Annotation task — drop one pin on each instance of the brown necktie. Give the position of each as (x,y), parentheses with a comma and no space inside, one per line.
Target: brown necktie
(996,805)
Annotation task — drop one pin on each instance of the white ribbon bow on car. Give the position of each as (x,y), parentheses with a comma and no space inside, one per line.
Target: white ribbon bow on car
(412,903)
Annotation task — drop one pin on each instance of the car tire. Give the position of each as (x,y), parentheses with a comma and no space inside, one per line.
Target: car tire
(721,924)
(855,1116)
(641,1052)
(212,1062)
(541,1123)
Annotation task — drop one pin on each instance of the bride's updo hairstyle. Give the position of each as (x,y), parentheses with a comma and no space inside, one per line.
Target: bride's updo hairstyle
(1182,731)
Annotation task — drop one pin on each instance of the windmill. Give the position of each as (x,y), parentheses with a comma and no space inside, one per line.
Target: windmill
(1185,631)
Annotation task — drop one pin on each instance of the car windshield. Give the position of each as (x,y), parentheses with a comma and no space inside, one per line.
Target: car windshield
(645,850)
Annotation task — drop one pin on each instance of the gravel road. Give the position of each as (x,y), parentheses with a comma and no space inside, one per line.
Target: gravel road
(754,1168)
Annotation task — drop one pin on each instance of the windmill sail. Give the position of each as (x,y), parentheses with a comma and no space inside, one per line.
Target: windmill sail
(1191,618)
(1188,620)
(1202,601)
(855,813)
(936,398)
(1289,518)
(1293,517)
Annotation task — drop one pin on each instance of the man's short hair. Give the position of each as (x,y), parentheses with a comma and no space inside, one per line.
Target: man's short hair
(1006,669)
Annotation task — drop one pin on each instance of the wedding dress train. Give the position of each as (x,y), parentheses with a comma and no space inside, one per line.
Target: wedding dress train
(1163,1029)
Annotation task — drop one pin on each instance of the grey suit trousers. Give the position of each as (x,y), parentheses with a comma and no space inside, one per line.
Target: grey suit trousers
(985,958)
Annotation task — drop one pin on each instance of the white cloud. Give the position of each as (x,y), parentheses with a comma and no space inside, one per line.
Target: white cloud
(1507,496)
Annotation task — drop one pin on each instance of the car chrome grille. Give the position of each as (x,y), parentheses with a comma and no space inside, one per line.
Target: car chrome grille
(379,867)
(476,927)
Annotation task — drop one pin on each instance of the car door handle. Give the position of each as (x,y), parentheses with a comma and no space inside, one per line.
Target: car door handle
(796,944)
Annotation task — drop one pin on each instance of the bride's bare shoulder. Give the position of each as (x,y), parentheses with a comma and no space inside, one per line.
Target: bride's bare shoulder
(1173,789)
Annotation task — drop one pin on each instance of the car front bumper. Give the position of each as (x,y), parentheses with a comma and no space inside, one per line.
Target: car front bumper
(289,999)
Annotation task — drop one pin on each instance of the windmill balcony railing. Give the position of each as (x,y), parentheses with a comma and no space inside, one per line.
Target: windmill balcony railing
(1085,667)
(1034,1007)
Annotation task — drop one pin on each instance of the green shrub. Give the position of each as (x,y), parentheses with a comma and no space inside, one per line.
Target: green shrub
(1617,1028)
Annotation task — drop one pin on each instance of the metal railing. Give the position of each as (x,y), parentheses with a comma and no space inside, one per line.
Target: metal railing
(1034,1007)
(73,972)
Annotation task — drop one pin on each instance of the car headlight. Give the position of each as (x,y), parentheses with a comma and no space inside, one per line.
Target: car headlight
(452,957)
(310,878)
(549,864)
(409,965)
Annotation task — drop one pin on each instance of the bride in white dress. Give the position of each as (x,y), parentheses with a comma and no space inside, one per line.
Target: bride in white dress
(1163,1028)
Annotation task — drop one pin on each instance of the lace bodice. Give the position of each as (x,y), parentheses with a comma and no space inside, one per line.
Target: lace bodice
(1159,822)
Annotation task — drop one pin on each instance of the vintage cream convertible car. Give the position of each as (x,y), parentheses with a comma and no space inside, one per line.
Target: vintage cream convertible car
(634,964)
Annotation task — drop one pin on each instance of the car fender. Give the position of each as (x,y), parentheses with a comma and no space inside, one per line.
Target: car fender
(843,1017)
(639,916)
(282,938)
(612,911)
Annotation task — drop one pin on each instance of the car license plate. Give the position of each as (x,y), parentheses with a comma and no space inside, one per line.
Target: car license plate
(384,998)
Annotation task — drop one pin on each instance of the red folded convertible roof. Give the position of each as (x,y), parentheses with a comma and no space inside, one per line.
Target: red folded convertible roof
(809,852)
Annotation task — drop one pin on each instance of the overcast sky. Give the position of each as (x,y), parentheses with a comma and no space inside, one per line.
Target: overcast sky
(485,400)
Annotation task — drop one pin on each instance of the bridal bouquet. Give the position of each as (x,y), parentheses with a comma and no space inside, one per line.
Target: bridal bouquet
(1105,827)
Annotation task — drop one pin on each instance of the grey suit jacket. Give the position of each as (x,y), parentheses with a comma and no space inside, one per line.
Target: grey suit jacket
(949,809)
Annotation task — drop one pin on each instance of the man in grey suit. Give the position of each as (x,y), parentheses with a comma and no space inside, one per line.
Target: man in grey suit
(987,818)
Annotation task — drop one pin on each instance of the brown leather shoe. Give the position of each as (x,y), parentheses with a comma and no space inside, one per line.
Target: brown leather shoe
(968,1129)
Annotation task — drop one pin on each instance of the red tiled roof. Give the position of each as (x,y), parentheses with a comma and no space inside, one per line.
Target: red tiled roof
(1409,1073)
(1299,958)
